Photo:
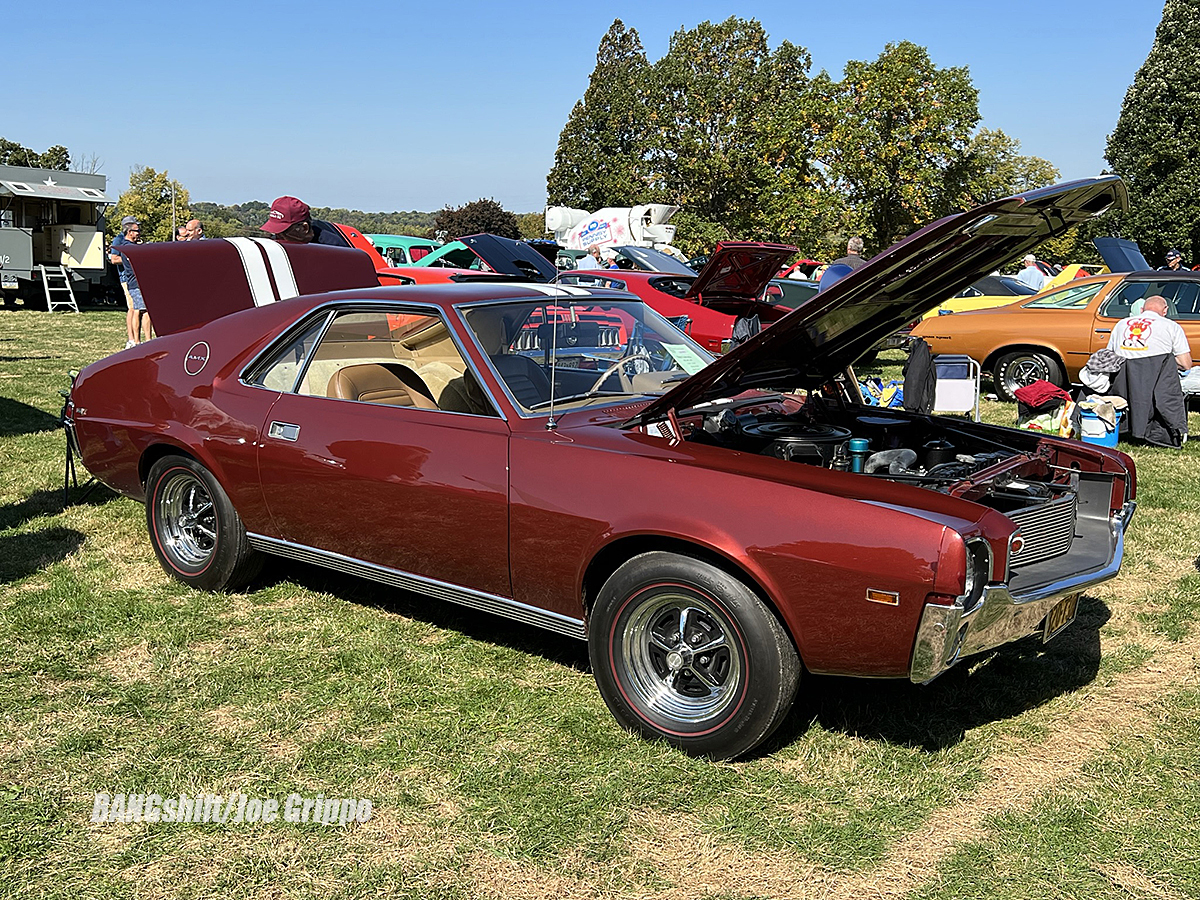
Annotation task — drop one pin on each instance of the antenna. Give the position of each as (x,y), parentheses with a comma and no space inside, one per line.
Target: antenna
(551,424)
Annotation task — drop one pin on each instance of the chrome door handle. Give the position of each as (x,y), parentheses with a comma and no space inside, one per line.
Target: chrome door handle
(284,431)
(1103,331)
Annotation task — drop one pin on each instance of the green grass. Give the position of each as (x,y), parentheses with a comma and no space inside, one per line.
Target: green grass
(494,767)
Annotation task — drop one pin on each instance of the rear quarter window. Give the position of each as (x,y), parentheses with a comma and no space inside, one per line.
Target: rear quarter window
(1074,297)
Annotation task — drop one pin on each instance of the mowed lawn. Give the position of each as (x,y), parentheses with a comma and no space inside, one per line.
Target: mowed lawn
(1067,770)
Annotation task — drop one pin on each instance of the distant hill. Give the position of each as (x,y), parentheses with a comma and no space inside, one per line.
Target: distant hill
(243,219)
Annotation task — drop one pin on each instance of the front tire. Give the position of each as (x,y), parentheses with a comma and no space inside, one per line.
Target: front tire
(686,653)
(196,533)
(1016,370)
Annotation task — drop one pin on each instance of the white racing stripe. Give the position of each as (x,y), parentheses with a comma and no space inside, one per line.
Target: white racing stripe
(558,290)
(256,270)
(281,268)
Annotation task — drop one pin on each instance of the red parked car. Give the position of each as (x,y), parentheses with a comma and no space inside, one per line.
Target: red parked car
(391,275)
(714,529)
(731,286)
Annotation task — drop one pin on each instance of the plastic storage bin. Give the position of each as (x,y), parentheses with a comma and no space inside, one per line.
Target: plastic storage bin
(1094,430)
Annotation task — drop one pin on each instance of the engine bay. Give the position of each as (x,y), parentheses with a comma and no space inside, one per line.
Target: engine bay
(942,456)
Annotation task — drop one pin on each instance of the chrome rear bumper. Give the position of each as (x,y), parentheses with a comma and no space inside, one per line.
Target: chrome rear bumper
(948,633)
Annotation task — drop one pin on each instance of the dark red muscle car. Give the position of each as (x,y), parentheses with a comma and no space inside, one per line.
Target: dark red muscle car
(553,455)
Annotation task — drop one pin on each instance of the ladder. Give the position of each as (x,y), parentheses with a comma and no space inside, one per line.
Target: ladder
(62,282)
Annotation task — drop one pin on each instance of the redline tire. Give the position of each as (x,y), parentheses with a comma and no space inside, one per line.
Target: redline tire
(196,533)
(686,653)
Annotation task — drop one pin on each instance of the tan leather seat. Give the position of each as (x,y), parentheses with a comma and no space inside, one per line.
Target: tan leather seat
(453,390)
(391,384)
(524,377)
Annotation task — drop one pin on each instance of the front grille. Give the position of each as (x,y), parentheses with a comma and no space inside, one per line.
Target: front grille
(1048,530)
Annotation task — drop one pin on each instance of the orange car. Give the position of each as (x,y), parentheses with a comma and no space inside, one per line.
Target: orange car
(1050,336)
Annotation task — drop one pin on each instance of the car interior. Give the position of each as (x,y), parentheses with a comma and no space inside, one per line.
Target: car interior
(1183,298)
(393,359)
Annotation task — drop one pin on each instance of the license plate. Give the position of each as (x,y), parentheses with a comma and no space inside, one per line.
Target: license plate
(1060,616)
(8,281)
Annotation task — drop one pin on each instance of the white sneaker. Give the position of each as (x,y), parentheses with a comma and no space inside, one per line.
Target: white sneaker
(129,344)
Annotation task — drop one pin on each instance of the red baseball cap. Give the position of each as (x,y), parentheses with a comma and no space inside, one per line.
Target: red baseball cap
(285,212)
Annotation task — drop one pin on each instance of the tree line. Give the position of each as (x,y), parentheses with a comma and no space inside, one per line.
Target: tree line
(752,145)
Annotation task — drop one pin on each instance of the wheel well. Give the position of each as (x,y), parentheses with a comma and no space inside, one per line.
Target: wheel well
(989,364)
(154,454)
(609,559)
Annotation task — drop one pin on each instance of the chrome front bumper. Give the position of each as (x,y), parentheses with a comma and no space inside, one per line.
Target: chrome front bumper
(948,633)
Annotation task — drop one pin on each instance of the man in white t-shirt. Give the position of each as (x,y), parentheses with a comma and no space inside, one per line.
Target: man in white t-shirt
(1151,333)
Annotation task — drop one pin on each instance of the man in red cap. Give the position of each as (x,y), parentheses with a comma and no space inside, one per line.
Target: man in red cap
(290,220)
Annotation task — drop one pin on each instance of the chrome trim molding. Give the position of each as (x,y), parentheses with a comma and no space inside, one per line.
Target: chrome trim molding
(492,603)
(948,633)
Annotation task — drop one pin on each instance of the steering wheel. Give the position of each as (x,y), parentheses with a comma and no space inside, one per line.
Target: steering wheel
(626,377)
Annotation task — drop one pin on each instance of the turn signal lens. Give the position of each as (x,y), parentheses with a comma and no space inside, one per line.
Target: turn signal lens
(891,598)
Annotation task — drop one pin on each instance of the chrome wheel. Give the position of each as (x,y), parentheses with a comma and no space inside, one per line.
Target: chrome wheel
(1016,370)
(188,520)
(681,657)
(197,534)
(685,652)
(1025,370)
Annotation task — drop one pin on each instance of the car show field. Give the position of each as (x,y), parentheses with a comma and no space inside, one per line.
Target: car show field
(752,458)
(494,767)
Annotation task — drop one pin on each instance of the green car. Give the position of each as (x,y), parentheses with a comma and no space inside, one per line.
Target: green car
(454,254)
(402,249)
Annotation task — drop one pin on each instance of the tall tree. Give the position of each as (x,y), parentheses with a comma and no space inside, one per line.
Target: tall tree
(1154,144)
(13,154)
(151,198)
(712,96)
(895,135)
(997,168)
(480,217)
(599,160)
(794,206)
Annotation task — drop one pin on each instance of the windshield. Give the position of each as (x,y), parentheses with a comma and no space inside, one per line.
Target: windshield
(582,352)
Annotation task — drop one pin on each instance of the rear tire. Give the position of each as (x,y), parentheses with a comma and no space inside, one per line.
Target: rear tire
(686,653)
(1016,370)
(196,533)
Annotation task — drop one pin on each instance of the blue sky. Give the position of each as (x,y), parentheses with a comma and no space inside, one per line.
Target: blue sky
(398,106)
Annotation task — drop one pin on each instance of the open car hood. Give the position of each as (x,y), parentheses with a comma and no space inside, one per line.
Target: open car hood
(810,345)
(191,283)
(739,270)
(648,259)
(506,256)
(1121,255)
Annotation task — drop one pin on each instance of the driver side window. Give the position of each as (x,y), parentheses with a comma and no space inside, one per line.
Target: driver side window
(378,356)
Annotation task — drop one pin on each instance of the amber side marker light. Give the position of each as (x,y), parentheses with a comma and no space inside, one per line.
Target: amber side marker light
(891,598)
